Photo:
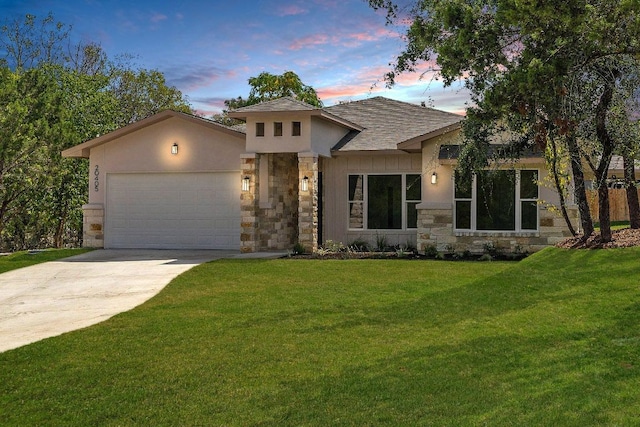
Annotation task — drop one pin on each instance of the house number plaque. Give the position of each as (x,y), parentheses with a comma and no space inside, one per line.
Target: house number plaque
(96,178)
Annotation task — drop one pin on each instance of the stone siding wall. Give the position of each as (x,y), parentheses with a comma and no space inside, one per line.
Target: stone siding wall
(249,204)
(93,225)
(308,209)
(270,224)
(435,228)
(278,224)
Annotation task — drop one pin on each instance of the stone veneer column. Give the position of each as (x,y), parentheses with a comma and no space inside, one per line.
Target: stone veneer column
(249,209)
(93,225)
(308,201)
(435,226)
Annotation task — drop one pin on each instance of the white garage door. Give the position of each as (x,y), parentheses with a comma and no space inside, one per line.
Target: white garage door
(173,211)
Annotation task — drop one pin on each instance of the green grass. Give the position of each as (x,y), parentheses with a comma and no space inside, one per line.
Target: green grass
(26,258)
(552,340)
(615,225)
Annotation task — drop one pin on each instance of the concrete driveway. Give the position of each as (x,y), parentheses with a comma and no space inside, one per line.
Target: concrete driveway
(49,299)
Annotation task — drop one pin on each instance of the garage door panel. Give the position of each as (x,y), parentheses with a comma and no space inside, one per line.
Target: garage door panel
(182,210)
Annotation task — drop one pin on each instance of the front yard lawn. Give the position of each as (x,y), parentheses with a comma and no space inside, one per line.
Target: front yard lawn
(551,340)
(26,258)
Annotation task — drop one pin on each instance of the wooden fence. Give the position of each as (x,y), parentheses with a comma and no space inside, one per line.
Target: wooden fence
(618,207)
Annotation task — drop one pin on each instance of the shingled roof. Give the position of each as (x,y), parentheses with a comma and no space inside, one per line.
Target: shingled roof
(287,103)
(387,123)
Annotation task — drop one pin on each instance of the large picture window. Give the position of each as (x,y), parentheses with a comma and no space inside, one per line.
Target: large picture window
(384,202)
(498,200)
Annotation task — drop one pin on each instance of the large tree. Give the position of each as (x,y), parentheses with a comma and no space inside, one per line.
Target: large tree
(55,94)
(266,87)
(527,65)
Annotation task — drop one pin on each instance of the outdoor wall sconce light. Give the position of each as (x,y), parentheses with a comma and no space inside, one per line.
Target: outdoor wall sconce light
(174,148)
(305,184)
(245,183)
(434,178)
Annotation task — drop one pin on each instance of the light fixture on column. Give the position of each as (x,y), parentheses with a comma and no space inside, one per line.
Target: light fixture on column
(305,184)
(245,183)
(174,148)
(434,178)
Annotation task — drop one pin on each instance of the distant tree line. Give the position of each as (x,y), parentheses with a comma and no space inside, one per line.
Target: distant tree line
(55,94)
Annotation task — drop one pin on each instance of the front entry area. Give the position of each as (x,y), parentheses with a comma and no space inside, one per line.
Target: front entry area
(173,210)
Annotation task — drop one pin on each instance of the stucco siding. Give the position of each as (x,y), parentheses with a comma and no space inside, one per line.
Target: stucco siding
(200,149)
(324,136)
(269,143)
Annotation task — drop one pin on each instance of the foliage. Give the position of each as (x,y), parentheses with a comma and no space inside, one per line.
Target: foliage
(298,249)
(53,95)
(551,340)
(359,245)
(536,70)
(381,242)
(266,87)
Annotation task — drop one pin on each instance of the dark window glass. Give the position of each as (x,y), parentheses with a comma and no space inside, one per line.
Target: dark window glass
(495,204)
(463,186)
(463,215)
(412,215)
(277,129)
(384,197)
(259,129)
(414,187)
(529,215)
(528,184)
(296,129)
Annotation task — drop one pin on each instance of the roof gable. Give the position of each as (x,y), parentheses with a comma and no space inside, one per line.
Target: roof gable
(82,150)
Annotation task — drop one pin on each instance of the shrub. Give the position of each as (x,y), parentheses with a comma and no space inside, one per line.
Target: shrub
(359,245)
(381,242)
(430,251)
(298,249)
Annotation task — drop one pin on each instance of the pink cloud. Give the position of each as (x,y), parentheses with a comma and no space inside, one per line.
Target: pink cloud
(312,40)
(291,10)
(346,39)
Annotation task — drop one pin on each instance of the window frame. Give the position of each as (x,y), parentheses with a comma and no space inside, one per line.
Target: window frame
(296,128)
(277,129)
(404,203)
(518,201)
(259,129)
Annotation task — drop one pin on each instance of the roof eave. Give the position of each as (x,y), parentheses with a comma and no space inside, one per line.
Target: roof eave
(415,144)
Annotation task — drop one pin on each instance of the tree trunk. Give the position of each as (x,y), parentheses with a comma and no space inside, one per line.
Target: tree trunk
(603,211)
(559,189)
(606,143)
(580,190)
(632,190)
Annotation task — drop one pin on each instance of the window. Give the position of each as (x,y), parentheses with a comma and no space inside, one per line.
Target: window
(384,202)
(502,200)
(259,129)
(296,129)
(277,129)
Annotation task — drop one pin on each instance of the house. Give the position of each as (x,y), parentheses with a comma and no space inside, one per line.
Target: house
(370,170)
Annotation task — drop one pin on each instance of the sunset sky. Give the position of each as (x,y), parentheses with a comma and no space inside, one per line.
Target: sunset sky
(208,49)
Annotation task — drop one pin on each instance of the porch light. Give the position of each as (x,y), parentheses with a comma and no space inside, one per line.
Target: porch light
(305,184)
(434,178)
(174,148)
(245,183)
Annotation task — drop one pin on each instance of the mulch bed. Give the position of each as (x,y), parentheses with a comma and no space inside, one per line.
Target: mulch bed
(624,238)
